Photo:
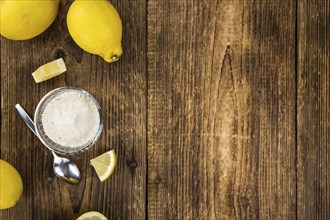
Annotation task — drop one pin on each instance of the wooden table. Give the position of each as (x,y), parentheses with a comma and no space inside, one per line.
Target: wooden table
(217,110)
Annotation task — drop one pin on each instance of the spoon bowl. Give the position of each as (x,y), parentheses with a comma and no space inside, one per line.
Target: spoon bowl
(66,169)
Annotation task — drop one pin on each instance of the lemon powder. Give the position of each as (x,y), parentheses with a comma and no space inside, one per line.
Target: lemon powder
(71,119)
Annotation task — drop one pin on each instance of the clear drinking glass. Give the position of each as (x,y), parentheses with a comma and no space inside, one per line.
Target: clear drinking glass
(56,147)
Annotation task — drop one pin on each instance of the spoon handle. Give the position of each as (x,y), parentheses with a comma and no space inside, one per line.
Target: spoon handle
(28,121)
(57,159)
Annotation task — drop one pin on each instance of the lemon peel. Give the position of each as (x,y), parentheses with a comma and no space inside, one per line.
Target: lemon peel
(96,27)
(93,215)
(22,20)
(49,70)
(105,164)
(11,185)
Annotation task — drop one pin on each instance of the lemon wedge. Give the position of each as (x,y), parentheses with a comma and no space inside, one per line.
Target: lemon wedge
(105,164)
(92,215)
(49,70)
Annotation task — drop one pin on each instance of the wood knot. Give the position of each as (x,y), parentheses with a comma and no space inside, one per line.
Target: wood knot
(59,53)
(76,208)
(132,164)
(74,49)
(158,180)
(245,201)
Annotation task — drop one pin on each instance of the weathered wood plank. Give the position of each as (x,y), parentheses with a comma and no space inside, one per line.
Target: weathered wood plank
(121,90)
(221,120)
(313,110)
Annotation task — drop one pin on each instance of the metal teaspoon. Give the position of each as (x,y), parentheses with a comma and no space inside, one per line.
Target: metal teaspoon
(63,167)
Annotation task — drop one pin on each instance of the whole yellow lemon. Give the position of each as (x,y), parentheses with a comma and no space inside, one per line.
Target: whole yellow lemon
(22,20)
(11,185)
(96,27)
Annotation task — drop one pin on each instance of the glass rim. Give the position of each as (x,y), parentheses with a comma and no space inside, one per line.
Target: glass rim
(52,145)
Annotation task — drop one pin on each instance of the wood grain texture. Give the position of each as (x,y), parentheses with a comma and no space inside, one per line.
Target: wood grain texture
(120,88)
(313,110)
(221,120)
(218,109)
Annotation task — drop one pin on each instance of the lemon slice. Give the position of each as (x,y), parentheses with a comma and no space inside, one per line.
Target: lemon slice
(49,70)
(105,164)
(92,215)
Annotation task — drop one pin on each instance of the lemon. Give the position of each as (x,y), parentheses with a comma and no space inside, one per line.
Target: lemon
(93,215)
(105,164)
(49,70)
(96,27)
(11,185)
(21,20)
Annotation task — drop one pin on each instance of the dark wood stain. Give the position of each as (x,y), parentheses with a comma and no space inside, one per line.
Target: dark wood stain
(217,110)
(313,104)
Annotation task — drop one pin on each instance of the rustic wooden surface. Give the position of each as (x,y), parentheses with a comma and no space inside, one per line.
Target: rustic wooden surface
(121,90)
(217,110)
(313,105)
(221,110)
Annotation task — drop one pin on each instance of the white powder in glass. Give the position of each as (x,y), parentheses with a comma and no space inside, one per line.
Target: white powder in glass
(71,119)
